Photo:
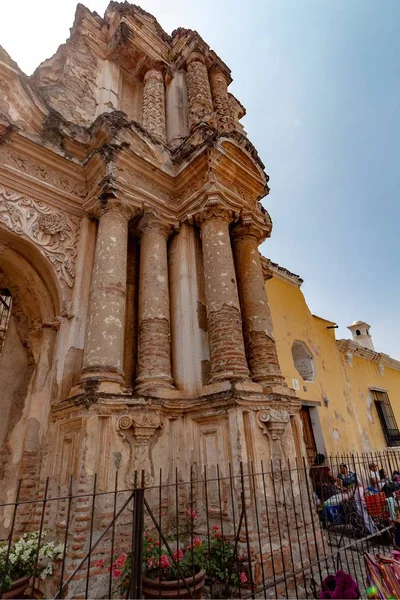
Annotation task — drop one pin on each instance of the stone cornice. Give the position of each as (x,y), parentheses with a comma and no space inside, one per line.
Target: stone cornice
(349,346)
(271,269)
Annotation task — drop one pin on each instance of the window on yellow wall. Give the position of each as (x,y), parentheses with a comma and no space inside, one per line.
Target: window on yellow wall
(387,418)
(303,361)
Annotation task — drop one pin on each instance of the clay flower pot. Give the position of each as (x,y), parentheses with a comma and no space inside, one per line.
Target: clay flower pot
(18,588)
(153,588)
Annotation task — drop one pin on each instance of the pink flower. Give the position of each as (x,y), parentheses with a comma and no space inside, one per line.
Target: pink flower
(216,527)
(240,557)
(193,514)
(243,577)
(178,555)
(116,573)
(164,562)
(151,562)
(100,563)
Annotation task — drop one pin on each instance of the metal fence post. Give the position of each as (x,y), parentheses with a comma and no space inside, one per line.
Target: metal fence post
(135,584)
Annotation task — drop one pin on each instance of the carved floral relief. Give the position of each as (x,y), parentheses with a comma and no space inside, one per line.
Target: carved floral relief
(47,175)
(54,233)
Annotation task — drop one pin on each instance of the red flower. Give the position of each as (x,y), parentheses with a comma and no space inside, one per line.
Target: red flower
(243,577)
(100,563)
(178,555)
(116,573)
(193,514)
(164,562)
(216,527)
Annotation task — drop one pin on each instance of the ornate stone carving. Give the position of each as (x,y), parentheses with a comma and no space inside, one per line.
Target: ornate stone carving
(154,104)
(273,423)
(55,234)
(219,90)
(137,429)
(249,228)
(212,209)
(191,189)
(25,165)
(150,222)
(199,92)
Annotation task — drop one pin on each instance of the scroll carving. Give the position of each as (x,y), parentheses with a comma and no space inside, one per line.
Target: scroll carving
(55,234)
(137,430)
(273,422)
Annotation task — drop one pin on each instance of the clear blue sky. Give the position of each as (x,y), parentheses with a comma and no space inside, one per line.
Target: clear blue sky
(320,81)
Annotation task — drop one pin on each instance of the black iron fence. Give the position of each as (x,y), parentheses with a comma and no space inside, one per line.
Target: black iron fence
(273,531)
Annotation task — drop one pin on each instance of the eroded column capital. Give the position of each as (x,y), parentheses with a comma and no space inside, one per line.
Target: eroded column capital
(153,74)
(150,222)
(112,205)
(195,56)
(249,226)
(216,211)
(241,232)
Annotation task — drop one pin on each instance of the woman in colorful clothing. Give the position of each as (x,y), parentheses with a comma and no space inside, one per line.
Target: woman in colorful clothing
(345,478)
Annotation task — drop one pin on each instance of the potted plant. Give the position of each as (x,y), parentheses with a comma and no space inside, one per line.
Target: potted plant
(20,566)
(182,569)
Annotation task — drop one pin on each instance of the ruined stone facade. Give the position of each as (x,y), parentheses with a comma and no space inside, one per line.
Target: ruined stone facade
(140,334)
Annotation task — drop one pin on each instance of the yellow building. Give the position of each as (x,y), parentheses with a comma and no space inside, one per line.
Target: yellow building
(350,393)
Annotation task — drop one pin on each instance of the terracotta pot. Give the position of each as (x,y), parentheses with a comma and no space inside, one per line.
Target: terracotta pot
(152,588)
(18,588)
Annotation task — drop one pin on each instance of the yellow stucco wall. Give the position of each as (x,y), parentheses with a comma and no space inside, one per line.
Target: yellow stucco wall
(349,423)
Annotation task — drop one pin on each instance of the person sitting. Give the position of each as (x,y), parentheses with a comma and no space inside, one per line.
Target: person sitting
(374,483)
(396,480)
(387,485)
(345,478)
(322,479)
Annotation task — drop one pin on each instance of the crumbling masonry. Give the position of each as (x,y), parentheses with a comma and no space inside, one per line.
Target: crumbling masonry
(130,220)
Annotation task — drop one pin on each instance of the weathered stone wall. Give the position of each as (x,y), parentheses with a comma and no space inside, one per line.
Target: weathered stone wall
(148,339)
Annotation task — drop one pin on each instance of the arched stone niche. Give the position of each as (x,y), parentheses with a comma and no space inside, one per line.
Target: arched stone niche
(27,358)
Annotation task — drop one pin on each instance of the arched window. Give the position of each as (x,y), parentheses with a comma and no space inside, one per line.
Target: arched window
(303,361)
(5,312)
(358,332)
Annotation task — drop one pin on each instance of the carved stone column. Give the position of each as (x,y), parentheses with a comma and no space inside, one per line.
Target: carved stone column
(104,344)
(154,104)
(222,105)
(154,356)
(227,354)
(199,92)
(257,323)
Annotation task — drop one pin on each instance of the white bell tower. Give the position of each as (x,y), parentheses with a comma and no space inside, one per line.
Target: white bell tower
(361,335)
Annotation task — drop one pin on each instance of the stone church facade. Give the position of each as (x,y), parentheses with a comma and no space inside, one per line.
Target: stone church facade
(138,334)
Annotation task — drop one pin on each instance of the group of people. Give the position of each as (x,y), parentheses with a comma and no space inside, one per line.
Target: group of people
(333,489)
(373,481)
